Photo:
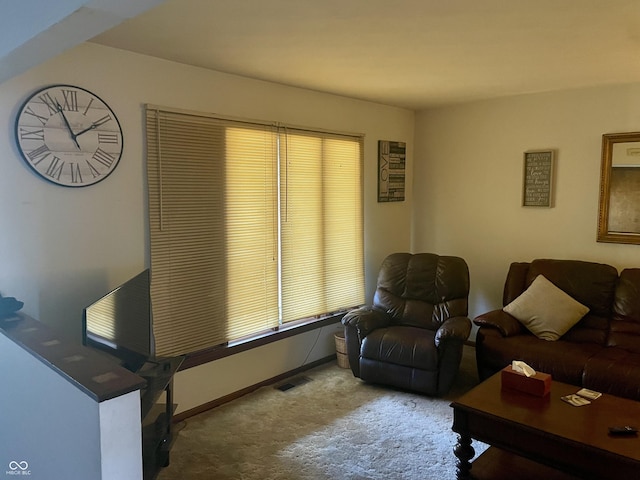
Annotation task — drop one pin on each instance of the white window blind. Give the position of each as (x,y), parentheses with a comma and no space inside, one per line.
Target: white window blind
(251,226)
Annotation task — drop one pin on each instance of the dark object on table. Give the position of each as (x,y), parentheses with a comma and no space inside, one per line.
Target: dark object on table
(538,384)
(9,305)
(626,430)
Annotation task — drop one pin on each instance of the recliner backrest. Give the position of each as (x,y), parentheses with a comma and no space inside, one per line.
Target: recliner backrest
(592,284)
(625,325)
(423,289)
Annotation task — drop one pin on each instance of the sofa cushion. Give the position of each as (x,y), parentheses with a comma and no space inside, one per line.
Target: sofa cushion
(592,284)
(545,310)
(400,345)
(615,371)
(564,361)
(516,281)
(625,323)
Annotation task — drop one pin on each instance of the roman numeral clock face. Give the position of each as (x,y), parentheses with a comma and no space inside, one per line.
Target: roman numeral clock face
(69,136)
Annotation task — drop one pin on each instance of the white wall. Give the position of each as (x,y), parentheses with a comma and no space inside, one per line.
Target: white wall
(62,248)
(120,434)
(469,159)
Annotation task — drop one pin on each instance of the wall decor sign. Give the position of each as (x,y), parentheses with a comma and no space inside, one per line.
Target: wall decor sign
(392,157)
(537,184)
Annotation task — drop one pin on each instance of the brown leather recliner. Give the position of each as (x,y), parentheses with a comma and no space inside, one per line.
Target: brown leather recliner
(413,335)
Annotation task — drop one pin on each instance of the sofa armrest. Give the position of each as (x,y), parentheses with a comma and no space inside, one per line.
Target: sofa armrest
(506,324)
(454,328)
(365,320)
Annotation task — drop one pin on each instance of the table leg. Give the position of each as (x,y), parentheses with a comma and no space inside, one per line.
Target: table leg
(464,453)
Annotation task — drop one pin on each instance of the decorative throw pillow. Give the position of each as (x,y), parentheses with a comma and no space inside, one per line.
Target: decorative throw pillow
(545,310)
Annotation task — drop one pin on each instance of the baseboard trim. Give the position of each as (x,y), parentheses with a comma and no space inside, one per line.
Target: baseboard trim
(240,393)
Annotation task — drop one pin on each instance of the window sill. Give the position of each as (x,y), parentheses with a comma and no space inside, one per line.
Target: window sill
(237,346)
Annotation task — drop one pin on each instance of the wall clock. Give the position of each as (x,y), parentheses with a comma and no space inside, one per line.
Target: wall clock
(69,136)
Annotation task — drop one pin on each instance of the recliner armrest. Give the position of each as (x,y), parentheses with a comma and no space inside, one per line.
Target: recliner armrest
(454,328)
(365,320)
(506,324)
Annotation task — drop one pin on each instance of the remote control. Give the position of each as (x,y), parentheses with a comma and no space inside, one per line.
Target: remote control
(626,430)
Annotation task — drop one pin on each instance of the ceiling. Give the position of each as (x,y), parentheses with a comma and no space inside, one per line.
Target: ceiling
(410,53)
(33,31)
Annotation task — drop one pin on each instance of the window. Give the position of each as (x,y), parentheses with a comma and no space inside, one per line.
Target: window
(251,226)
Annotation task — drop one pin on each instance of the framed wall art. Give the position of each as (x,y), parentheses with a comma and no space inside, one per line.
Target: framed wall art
(392,158)
(619,213)
(537,182)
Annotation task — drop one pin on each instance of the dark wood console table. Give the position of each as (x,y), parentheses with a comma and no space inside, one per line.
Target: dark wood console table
(101,378)
(87,369)
(157,430)
(62,402)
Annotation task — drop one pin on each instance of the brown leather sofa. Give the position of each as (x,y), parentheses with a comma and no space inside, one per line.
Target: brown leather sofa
(600,352)
(413,335)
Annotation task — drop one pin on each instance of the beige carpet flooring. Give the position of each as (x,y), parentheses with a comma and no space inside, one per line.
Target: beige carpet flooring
(333,426)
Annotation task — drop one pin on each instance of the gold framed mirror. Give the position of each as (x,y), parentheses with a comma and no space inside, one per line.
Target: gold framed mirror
(619,213)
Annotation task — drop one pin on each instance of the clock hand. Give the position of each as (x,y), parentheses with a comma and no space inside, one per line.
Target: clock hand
(95,124)
(90,127)
(66,122)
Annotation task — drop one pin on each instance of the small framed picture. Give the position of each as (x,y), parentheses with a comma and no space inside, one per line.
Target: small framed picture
(537,183)
(392,157)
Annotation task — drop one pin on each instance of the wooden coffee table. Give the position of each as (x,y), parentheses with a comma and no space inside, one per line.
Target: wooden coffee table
(533,437)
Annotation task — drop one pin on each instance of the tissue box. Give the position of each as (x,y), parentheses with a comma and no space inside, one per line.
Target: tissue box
(538,384)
